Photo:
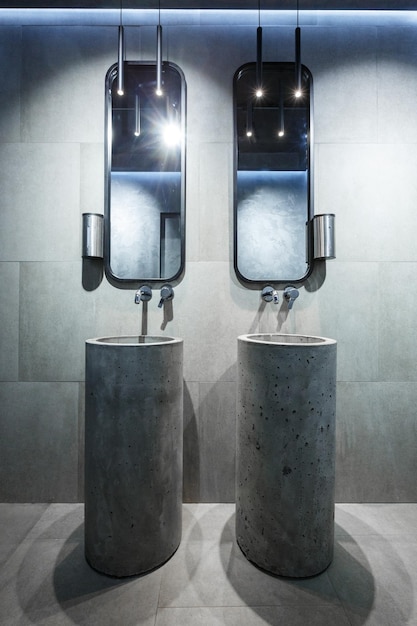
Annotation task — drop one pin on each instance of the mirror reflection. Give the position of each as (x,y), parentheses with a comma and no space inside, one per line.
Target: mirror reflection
(272,175)
(145,154)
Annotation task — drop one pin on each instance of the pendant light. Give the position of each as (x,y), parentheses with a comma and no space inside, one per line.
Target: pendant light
(120,58)
(298,90)
(158,90)
(281,129)
(137,115)
(259,89)
(249,119)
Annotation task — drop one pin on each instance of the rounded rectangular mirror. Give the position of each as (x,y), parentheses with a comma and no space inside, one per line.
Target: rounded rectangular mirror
(273,174)
(145,175)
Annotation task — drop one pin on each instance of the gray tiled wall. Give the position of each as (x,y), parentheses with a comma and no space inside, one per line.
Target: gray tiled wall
(51,164)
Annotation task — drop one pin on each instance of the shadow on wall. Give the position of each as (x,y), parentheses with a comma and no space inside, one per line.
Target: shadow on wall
(191,451)
(92,273)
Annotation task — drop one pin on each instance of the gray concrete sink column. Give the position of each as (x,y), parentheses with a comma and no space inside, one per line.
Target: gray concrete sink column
(133,452)
(286,452)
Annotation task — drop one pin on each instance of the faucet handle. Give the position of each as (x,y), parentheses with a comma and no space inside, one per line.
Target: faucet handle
(167,293)
(290,294)
(143,294)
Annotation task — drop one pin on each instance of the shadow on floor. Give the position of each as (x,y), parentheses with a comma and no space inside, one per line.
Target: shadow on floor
(353,574)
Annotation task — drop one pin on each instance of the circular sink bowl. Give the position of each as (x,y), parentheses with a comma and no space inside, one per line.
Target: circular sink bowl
(281,338)
(134,340)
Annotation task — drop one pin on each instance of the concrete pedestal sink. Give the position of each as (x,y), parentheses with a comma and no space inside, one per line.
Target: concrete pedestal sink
(133,452)
(286,452)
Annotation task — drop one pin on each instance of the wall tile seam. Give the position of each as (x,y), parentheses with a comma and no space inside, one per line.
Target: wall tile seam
(403,142)
(41,382)
(412,383)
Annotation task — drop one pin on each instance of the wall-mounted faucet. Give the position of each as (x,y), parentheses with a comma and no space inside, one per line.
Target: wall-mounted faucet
(269,294)
(290,294)
(167,293)
(143,294)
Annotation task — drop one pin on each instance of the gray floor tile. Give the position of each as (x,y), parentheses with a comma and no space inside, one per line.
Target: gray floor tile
(205,521)
(49,582)
(60,521)
(375,578)
(252,616)
(386,519)
(16,520)
(215,573)
(46,581)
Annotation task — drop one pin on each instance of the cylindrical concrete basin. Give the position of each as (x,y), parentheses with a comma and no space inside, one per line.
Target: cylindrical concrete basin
(286,452)
(133,452)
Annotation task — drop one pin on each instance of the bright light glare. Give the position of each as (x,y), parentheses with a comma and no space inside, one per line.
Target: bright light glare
(120,92)
(298,93)
(249,133)
(281,133)
(159,92)
(171,134)
(259,93)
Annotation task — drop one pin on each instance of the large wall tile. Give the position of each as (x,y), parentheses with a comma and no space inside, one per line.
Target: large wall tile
(343,63)
(369,188)
(10,76)
(38,446)
(92,178)
(217,440)
(9,321)
(347,306)
(39,217)
(397,308)
(192,198)
(376,442)
(397,85)
(55,319)
(63,82)
(191,443)
(215,202)
(346,184)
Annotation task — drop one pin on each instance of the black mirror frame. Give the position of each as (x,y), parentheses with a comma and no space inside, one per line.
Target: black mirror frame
(134,282)
(277,281)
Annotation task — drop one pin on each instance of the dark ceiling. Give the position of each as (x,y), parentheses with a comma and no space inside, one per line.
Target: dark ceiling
(399,5)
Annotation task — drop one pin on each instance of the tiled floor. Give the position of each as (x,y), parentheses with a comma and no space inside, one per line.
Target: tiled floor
(44,578)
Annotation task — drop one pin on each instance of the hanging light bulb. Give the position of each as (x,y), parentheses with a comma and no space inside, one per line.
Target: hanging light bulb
(259,89)
(249,119)
(120,58)
(298,90)
(281,130)
(159,54)
(137,115)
